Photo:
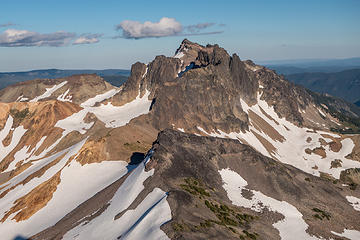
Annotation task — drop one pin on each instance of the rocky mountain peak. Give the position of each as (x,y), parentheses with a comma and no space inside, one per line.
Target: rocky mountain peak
(206,81)
(241,153)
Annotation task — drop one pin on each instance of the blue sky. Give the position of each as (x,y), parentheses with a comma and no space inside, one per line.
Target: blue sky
(258,30)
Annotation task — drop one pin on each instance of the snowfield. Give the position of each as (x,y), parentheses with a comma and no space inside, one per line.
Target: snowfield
(16,137)
(141,223)
(292,225)
(99,98)
(64,97)
(117,116)
(350,234)
(292,149)
(74,179)
(354,201)
(48,92)
(112,116)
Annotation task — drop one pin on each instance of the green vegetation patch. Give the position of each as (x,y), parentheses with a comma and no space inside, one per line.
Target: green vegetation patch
(321,214)
(225,216)
(19,115)
(249,235)
(194,187)
(136,147)
(353,186)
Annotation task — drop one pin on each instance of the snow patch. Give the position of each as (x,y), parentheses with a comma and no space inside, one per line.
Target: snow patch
(179,55)
(16,137)
(21,99)
(292,225)
(354,201)
(114,116)
(99,98)
(350,234)
(48,92)
(146,70)
(322,113)
(74,179)
(145,221)
(64,98)
(141,223)
(74,122)
(292,149)
(24,154)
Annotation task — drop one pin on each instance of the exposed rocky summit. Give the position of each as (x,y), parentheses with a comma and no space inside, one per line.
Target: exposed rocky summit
(81,87)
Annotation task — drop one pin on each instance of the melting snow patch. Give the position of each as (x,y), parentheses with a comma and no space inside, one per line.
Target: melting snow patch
(179,55)
(245,138)
(141,223)
(16,137)
(321,113)
(146,70)
(74,122)
(21,99)
(64,98)
(145,221)
(292,149)
(45,217)
(292,224)
(74,179)
(24,154)
(354,201)
(350,234)
(99,98)
(48,92)
(114,116)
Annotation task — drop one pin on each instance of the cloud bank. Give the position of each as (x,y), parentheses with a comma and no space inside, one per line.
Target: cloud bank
(164,28)
(87,39)
(24,38)
(198,27)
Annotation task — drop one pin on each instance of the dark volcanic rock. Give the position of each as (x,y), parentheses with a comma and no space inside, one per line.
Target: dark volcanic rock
(132,86)
(207,95)
(179,157)
(187,167)
(203,85)
(286,97)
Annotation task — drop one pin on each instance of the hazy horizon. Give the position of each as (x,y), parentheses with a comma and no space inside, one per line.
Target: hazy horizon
(114,35)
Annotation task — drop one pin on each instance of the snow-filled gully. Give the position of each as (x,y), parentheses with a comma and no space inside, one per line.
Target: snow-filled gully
(292,148)
(143,222)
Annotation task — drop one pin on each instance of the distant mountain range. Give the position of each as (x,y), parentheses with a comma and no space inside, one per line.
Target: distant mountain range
(115,76)
(311,65)
(344,84)
(337,77)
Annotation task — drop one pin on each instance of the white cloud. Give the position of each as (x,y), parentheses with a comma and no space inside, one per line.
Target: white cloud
(87,39)
(165,27)
(24,38)
(199,26)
